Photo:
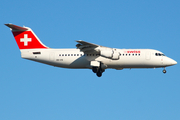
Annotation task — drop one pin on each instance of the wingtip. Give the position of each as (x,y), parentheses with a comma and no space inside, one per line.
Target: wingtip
(79,40)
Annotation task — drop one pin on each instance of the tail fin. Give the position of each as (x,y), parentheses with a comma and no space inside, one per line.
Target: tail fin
(25,38)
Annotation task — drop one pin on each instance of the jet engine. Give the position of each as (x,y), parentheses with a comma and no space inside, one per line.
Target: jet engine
(114,55)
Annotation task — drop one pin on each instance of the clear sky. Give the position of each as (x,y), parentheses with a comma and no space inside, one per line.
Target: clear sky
(35,91)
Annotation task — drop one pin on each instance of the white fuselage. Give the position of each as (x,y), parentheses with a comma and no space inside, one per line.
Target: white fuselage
(87,55)
(74,58)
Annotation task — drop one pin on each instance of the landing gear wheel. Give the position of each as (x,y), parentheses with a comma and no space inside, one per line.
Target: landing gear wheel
(95,69)
(99,73)
(103,70)
(164,71)
(98,70)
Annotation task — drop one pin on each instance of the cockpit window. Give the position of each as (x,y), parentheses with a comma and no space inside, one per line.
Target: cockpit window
(159,54)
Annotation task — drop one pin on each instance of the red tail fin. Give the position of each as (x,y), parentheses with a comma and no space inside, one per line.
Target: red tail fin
(25,38)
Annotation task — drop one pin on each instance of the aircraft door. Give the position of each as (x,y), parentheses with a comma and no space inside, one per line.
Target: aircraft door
(148,55)
(161,59)
(51,56)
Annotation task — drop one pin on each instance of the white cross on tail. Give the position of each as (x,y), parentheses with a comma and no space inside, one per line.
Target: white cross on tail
(25,40)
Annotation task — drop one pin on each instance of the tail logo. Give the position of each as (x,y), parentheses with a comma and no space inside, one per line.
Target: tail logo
(25,40)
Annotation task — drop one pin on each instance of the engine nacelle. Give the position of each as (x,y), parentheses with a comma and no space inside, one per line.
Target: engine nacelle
(114,55)
(107,53)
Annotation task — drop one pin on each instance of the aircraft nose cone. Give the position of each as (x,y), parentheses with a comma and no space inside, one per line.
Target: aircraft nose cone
(173,62)
(168,61)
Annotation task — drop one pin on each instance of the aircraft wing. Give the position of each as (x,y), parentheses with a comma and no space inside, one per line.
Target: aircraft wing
(106,52)
(86,46)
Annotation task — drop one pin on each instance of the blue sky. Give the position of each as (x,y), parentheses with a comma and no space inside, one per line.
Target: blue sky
(30,90)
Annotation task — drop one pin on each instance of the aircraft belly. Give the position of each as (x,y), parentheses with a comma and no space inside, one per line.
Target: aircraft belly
(128,63)
(72,62)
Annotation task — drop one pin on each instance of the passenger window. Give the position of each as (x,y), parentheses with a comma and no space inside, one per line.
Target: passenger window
(74,54)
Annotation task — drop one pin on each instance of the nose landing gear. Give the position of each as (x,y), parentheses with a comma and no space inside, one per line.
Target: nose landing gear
(164,71)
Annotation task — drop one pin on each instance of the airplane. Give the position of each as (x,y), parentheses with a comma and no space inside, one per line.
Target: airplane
(87,55)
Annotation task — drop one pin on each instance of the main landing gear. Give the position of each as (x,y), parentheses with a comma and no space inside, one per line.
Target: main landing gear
(164,71)
(98,71)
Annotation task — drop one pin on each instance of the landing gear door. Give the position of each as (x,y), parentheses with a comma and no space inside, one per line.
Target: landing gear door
(148,55)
